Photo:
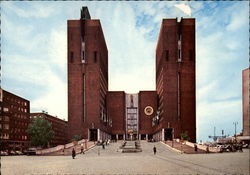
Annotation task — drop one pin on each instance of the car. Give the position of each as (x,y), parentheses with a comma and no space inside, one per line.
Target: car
(30,151)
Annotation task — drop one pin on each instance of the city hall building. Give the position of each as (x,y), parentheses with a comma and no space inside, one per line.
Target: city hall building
(161,114)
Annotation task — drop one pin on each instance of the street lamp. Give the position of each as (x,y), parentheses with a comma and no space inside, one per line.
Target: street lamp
(235,123)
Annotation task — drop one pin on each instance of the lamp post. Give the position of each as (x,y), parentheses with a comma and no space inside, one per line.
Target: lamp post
(235,123)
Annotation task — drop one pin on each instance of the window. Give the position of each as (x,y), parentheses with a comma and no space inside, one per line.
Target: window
(5,109)
(167,55)
(6,118)
(179,54)
(83,56)
(6,126)
(71,57)
(95,56)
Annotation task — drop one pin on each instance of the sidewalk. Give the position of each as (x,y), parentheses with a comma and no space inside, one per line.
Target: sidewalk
(182,148)
(68,151)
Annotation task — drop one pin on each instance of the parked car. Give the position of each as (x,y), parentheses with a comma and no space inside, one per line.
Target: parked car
(30,151)
(4,153)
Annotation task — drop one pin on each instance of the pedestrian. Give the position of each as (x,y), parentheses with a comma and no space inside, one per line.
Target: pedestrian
(207,149)
(240,148)
(73,153)
(103,146)
(82,149)
(195,147)
(154,149)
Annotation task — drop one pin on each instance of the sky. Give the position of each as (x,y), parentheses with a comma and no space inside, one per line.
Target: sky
(34,52)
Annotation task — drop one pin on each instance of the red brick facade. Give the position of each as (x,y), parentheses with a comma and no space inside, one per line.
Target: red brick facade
(116,110)
(58,126)
(175,77)
(245,101)
(14,120)
(87,78)
(95,113)
(147,100)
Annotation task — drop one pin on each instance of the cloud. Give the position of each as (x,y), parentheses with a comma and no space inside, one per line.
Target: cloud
(185,8)
(33,9)
(239,18)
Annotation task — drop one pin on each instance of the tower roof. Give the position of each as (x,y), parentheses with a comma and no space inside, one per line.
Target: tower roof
(85,13)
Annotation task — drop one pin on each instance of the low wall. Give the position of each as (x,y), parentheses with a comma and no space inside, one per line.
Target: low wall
(61,147)
(203,147)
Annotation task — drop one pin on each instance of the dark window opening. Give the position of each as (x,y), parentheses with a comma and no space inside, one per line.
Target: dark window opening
(167,55)
(179,53)
(179,32)
(95,57)
(83,56)
(71,57)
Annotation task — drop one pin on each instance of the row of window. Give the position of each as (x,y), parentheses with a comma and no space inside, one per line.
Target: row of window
(7,118)
(4,136)
(20,137)
(19,108)
(18,130)
(20,102)
(4,126)
(4,118)
(166,53)
(71,58)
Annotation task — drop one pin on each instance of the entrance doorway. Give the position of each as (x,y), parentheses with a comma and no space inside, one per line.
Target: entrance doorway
(120,137)
(168,134)
(93,134)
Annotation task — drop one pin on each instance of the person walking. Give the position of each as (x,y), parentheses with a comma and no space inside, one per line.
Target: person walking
(73,153)
(207,149)
(103,145)
(195,148)
(154,149)
(82,149)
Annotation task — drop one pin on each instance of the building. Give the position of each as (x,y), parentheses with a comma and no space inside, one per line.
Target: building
(59,127)
(245,101)
(175,79)
(14,120)
(87,79)
(98,114)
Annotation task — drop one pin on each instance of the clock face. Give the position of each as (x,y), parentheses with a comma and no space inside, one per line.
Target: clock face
(148,110)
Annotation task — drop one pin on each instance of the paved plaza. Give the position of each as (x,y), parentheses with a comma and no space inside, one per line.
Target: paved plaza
(110,160)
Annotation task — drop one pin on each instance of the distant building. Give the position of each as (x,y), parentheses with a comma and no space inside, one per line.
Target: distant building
(98,114)
(245,101)
(59,127)
(14,120)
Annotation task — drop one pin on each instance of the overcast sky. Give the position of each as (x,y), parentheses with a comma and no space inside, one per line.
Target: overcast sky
(34,50)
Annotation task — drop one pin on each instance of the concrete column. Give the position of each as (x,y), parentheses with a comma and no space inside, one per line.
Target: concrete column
(98,134)
(162,135)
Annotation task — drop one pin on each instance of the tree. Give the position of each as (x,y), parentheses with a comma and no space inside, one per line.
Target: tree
(184,136)
(77,137)
(40,131)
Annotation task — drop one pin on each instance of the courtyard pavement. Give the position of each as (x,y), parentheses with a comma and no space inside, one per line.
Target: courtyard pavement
(110,161)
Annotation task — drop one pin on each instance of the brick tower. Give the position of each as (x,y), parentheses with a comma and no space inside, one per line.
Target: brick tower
(175,79)
(87,78)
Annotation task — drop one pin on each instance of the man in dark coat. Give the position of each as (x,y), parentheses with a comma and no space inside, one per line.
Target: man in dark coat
(154,149)
(73,153)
